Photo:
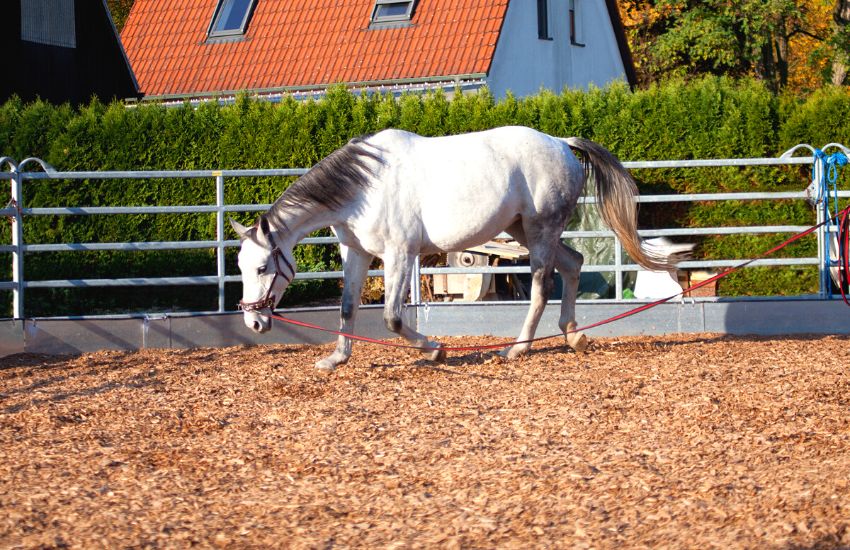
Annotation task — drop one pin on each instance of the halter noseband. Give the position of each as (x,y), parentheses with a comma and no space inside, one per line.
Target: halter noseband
(268,300)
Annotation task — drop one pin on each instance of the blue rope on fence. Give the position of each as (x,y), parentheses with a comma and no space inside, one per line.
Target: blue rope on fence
(828,186)
(829,177)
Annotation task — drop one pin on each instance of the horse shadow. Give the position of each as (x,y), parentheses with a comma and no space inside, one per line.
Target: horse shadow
(461,364)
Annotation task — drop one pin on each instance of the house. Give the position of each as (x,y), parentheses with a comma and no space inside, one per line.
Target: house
(63,51)
(195,48)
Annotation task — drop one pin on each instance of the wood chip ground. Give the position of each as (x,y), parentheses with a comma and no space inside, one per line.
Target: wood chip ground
(701,441)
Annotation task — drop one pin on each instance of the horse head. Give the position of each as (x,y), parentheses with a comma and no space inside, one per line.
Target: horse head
(266,272)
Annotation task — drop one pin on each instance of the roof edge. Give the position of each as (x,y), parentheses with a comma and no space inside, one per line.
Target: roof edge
(498,36)
(392,85)
(121,47)
(622,42)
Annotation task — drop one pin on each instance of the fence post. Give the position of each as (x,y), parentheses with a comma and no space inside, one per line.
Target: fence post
(219,236)
(416,283)
(618,269)
(824,281)
(822,238)
(18,244)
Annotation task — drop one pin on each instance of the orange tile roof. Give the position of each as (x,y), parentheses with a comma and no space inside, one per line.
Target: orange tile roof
(293,43)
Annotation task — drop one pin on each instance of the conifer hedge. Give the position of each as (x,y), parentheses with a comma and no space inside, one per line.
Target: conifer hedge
(708,118)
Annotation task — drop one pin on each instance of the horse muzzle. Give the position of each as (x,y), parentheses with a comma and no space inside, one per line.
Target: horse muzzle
(257,314)
(257,321)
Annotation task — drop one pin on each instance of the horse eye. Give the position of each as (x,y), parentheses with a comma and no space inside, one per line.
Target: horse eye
(262,270)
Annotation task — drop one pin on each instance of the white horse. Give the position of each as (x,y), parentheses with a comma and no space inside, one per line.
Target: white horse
(396,195)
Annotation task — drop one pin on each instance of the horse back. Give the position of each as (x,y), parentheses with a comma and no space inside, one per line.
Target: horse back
(457,191)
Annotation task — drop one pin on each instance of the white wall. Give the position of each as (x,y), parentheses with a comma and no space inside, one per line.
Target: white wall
(524,64)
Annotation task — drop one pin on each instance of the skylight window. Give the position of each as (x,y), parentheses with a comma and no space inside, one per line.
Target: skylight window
(392,12)
(231,18)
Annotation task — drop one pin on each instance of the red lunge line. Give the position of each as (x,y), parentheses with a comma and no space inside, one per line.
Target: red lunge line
(618,317)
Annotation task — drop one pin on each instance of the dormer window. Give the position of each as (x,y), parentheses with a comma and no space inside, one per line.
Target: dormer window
(231,18)
(392,13)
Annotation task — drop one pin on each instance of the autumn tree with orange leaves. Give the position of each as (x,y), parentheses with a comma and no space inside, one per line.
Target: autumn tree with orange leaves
(789,44)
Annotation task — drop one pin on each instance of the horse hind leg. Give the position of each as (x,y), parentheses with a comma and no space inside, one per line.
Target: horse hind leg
(397,271)
(568,262)
(541,259)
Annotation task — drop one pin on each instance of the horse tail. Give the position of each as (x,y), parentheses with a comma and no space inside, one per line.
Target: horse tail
(615,199)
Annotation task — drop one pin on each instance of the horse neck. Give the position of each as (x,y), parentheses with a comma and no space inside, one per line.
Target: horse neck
(292,225)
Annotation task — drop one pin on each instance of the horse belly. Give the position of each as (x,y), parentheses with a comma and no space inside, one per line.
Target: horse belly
(458,224)
(466,201)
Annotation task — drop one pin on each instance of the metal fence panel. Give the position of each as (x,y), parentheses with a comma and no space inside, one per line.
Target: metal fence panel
(18,212)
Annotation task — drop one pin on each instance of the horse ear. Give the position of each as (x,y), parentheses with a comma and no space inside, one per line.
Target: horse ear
(264,232)
(240,229)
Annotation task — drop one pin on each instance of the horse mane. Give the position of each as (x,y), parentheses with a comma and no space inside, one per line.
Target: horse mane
(335,180)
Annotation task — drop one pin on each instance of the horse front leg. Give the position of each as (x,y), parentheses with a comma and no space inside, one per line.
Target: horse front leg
(397,271)
(568,262)
(355,265)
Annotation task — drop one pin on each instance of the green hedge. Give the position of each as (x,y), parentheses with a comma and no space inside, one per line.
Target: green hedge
(709,118)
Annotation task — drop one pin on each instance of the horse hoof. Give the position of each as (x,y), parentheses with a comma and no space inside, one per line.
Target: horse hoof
(438,355)
(326,366)
(513,352)
(577,341)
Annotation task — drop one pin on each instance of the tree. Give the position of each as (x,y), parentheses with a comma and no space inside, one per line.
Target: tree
(119,9)
(783,42)
(840,41)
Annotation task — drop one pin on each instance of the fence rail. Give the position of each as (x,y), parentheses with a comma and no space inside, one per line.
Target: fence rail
(18,211)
